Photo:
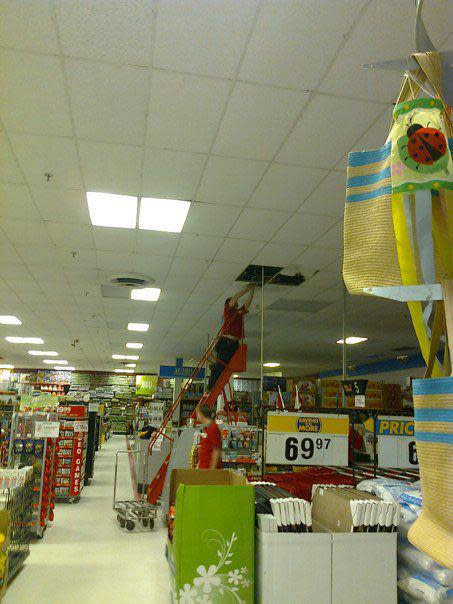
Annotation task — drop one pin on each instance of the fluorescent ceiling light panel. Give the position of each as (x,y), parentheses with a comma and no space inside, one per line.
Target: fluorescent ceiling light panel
(149,294)
(109,210)
(352,340)
(26,340)
(118,357)
(6,366)
(10,320)
(167,215)
(124,371)
(65,368)
(43,353)
(271,364)
(138,326)
(131,365)
(55,361)
(136,345)
(125,357)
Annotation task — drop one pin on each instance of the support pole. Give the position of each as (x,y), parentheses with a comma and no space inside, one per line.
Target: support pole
(263,422)
(344,359)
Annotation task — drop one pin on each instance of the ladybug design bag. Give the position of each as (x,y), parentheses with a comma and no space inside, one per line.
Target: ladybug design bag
(398,219)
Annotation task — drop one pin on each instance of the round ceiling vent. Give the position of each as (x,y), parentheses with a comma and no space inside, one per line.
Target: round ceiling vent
(131,280)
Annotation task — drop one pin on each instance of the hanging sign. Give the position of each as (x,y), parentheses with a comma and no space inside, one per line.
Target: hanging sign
(179,371)
(76,466)
(300,439)
(397,447)
(47,429)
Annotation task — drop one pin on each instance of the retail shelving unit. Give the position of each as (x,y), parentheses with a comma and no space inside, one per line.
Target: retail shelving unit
(71,453)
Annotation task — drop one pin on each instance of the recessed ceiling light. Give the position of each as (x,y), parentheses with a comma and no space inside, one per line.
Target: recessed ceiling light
(235,375)
(125,357)
(149,294)
(6,366)
(26,340)
(162,214)
(124,370)
(271,364)
(130,365)
(136,345)
(65,368)
(43,353)
(138,326)
(109,210)
(10,320)
(55,361)
(352,340)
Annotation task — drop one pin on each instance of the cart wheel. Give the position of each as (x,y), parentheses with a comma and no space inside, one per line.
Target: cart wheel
(122,522)
(145,521)
(151,524)
(130,525)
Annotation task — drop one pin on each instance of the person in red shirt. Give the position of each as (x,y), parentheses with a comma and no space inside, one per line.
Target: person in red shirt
(210,452)
(232,331)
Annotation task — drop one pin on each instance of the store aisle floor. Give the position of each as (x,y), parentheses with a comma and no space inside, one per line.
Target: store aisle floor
(86,557)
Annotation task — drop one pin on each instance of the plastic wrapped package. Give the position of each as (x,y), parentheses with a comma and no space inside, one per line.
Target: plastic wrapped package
(388,489)
(422,588)
(412,558)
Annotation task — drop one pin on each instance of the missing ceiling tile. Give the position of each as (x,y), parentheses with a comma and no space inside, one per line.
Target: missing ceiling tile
(256,273)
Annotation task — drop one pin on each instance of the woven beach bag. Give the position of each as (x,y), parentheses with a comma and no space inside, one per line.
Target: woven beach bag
(386,186)
(432,532)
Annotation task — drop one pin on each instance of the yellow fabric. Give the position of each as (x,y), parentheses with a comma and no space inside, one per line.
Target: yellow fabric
(409,277)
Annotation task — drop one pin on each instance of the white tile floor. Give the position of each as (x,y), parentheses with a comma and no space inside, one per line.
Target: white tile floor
(85,557)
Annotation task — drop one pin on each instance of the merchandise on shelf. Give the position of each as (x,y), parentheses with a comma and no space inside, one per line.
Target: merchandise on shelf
(239,445)
(16,501)
(72,451)
(34,445)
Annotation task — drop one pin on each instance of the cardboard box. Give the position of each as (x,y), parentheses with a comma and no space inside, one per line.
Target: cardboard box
(213,541)
(331,508)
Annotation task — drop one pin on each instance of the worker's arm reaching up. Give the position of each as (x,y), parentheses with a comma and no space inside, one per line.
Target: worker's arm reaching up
(251,288)
(234,299)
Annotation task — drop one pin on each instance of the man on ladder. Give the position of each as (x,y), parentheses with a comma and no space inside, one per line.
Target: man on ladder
(232,331)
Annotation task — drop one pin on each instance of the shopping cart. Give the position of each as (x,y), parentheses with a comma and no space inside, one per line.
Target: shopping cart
(132,513)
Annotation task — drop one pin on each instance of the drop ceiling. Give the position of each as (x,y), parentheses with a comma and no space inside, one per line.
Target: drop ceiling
(246,108)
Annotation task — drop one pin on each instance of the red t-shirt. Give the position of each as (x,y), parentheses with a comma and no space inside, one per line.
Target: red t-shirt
(210,440)
(233,321)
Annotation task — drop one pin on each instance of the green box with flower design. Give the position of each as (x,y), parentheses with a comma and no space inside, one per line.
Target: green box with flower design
(212,554)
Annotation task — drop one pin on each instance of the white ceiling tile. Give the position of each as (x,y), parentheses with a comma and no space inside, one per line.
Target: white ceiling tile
(328,197)
(38,155)
(303,229)
(375,136)
(65,205)
(333,237)
(153,266)
(285,46)
(171,174)
(31,85)
(156,243)
(284,187)
(221,29)
(194,267)
(28,25)
(8,253)
(229,180)
(108,102)
(258,224)
(71,235)
(31,231)
(395,23)
(184,110)
(278,254)
(257,120)
(76,259)
(16,202)
(111,168)
(316,258)
(210,219)
(111,239)
(198,246)
(9,168)
(107,29)
(327,130)
(239,250)
(227,271)
(114,261)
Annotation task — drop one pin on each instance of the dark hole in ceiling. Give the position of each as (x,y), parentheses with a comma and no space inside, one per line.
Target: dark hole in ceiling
(254,274)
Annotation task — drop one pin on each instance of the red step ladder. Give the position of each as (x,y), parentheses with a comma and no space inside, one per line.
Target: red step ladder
(237,364)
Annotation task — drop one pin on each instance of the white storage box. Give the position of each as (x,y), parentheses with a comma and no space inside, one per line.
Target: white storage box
(325,568)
